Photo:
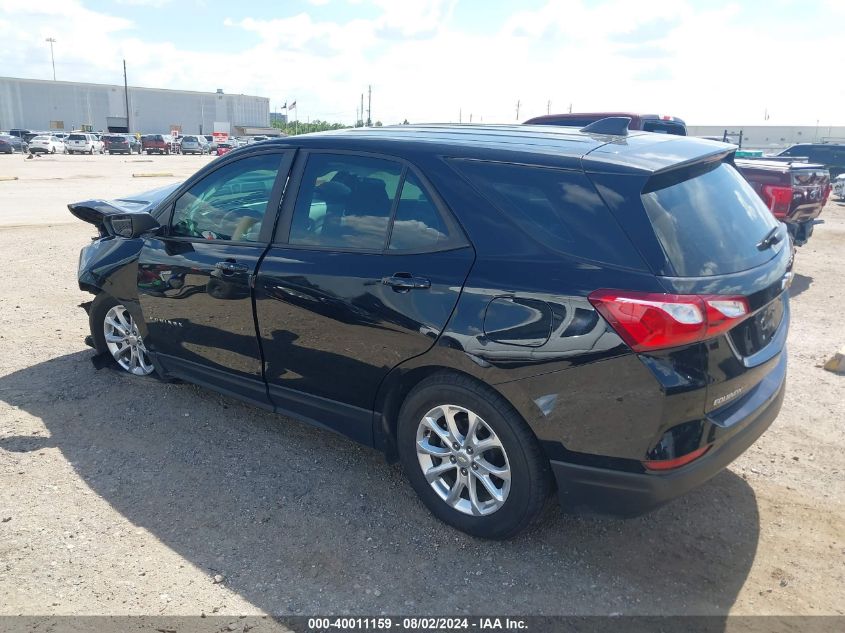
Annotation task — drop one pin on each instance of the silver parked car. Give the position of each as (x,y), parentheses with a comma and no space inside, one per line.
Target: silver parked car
(194,145)
(84,143)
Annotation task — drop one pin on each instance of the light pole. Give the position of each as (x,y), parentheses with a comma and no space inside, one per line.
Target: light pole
(52,41)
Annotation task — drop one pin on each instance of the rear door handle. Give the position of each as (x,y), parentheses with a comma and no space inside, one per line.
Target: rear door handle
(402,282)
(231,267)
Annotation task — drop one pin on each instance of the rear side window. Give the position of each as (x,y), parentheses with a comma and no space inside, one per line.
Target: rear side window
(417,225)
(345,202)
(558,208)
(710,224)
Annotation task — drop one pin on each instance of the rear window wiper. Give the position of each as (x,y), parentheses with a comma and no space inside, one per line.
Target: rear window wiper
(771,238)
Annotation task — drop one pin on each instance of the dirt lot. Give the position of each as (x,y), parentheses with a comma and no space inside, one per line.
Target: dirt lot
(121,495)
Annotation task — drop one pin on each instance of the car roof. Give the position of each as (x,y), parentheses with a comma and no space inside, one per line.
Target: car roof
(532,144)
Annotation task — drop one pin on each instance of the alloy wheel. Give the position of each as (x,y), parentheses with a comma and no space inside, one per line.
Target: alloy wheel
(125,343)
(463,460)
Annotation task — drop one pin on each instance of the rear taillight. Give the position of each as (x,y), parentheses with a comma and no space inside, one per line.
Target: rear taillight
(778,198)
(649,321)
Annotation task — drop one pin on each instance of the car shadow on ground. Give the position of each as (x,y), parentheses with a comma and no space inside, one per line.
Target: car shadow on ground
(300,520)
(799,284)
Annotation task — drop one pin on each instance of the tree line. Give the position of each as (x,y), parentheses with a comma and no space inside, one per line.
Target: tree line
(301,127)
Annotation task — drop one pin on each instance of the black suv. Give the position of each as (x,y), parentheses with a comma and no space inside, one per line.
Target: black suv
(505,309)
(121,144)
(831,155)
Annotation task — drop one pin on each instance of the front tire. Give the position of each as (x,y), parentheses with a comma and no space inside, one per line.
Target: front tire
(471,457)
(115,333)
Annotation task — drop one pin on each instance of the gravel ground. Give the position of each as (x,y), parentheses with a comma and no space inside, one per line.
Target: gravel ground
(121,495)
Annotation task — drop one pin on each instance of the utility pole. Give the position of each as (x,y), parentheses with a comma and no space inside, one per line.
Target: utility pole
(549,106)
(517,109)
(52,41)
(362,111)
(460,114)
(570,108)
(126,96)
(369,105)
(470,117)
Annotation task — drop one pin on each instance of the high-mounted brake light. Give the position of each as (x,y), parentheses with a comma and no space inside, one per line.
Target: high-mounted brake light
(650,321)
(778,198)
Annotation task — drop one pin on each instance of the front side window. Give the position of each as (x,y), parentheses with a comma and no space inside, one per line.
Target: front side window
(345,202)
(229,203)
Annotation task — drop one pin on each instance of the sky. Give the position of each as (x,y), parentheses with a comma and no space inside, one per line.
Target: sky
(709,62)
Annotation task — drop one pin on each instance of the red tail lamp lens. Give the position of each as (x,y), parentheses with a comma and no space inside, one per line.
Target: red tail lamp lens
(650,321)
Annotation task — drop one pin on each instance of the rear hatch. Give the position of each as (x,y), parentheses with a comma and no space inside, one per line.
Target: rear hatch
(77,140)
(712,243)
(118,142)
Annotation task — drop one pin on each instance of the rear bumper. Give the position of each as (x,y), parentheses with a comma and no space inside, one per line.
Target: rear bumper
(630,494)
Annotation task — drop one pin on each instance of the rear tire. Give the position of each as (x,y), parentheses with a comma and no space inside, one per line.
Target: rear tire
(485,505)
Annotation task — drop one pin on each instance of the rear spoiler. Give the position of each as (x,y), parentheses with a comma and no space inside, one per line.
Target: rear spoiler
(685,170)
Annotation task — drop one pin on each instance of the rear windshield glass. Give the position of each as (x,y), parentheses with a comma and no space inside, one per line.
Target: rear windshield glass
(558,208)
(78,137)
(710,224)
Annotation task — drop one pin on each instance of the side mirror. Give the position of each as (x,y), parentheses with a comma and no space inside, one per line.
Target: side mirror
(132,225)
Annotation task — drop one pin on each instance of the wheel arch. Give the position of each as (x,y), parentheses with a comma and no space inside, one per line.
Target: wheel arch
(402,379)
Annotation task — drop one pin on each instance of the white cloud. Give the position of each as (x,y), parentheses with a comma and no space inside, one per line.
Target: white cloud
(154,4)
(673,58)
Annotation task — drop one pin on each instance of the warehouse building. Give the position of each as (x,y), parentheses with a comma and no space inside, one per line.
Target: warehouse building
(65,105)
(772,137)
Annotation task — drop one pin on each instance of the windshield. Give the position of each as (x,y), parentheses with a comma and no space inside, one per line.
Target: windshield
(710,224)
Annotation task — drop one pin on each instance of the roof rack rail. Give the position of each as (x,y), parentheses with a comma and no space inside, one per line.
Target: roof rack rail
(615,125)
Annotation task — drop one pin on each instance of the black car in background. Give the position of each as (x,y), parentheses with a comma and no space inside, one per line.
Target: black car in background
(12,144)
(505,309)
(121,144)
(831,155)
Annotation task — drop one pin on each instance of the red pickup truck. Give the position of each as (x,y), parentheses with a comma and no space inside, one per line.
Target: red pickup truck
(795,192)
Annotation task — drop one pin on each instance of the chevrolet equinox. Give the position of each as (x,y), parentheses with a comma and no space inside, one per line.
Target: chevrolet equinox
(507,310)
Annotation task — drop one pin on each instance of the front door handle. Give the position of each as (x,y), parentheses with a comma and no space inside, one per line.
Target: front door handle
(231,267)
(403,282)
